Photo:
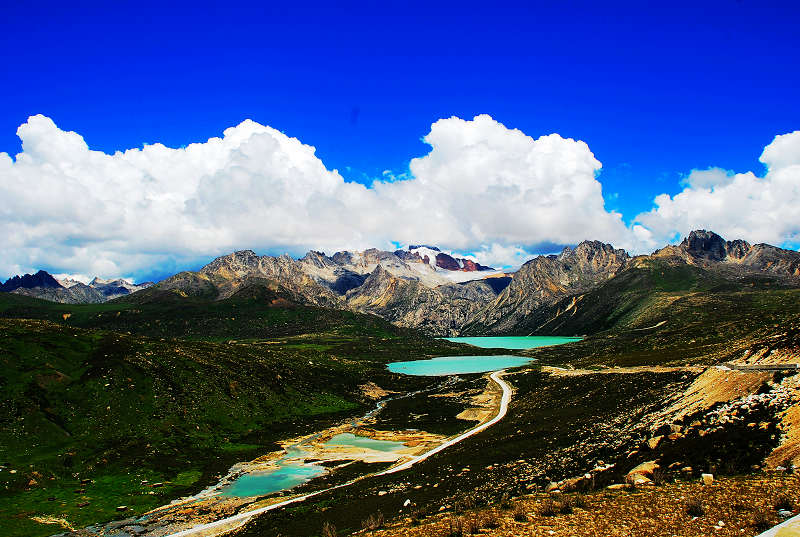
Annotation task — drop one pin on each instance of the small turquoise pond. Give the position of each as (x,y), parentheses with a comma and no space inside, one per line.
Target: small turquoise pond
(289,473)
(282,478)
(455,365)
(513,342)
(349,439)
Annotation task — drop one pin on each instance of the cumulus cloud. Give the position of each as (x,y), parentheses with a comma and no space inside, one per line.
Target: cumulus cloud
(482,188)
(735,205)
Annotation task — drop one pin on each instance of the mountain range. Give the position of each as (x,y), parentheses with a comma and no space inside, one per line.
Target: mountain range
(422,287)
(69,291)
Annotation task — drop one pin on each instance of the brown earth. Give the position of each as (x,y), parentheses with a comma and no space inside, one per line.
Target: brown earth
(744,505)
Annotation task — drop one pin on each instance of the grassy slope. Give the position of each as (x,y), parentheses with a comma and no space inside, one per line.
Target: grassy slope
(659,314)
(255,312)
(86,403)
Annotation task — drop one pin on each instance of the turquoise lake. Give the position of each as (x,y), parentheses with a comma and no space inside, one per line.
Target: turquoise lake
(462,365)
(288,474)
(455,365)
(349,439)
(513,342)
(282,478)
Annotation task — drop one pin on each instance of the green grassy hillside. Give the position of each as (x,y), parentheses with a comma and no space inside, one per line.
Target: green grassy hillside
(258,310)
(121,408)
(661,314)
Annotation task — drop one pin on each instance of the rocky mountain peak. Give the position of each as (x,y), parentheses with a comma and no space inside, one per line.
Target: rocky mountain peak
(705,244)
(239,262)
(313,257)
(30,281)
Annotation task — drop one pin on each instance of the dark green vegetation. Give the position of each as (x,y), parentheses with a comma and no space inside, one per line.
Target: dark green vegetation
(556,427)
(257,311)
(433,411)
(121,408)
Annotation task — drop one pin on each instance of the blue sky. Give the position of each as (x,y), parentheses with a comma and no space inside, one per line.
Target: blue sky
(655,91)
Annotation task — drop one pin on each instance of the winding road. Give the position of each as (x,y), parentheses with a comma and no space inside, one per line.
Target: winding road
(229,523)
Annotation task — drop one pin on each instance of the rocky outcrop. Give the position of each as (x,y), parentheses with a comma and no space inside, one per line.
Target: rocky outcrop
(438,311)
(228,273)
(546,279)
(734,259)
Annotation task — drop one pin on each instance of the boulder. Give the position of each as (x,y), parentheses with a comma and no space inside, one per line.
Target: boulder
(646,468)
(638,480)
(642,474)
(707,479)
(653,442)
(571,484)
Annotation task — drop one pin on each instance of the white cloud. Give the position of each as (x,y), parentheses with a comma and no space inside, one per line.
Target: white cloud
(735,205)
(482,188)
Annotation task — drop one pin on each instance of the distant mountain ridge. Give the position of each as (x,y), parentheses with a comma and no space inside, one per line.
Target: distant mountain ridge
(69,291)
(589,288)
(30,281)
(425,288)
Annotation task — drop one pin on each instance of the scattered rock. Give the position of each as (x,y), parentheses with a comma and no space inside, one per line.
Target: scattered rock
(653,442)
